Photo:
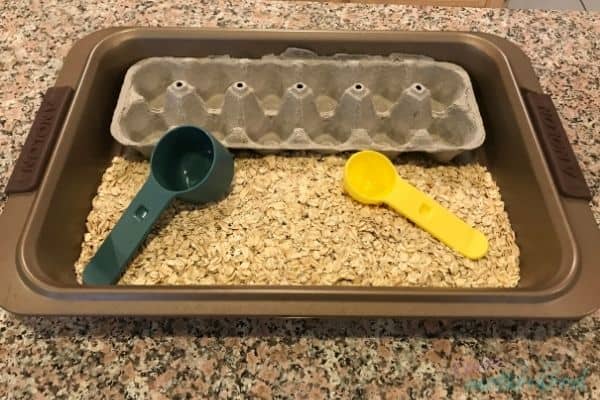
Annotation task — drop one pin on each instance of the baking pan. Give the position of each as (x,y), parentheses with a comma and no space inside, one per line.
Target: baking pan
(70,146)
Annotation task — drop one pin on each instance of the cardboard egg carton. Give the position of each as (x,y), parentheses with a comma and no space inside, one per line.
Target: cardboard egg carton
(301,101)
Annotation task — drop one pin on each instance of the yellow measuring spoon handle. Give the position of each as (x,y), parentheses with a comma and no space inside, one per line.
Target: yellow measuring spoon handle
(437,220)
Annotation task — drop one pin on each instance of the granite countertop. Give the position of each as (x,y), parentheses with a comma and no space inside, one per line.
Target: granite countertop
(382,358)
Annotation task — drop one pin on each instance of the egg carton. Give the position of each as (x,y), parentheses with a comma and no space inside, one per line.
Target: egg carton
(301,101)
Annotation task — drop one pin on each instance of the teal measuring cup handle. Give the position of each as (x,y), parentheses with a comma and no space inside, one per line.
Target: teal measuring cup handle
(111,259)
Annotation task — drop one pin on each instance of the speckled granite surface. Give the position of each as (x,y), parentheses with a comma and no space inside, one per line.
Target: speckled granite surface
(392,359)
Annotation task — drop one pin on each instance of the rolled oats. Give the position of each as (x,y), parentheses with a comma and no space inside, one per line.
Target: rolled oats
(287,221)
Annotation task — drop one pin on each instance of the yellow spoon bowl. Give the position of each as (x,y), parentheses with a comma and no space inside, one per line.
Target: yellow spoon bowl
(371,178)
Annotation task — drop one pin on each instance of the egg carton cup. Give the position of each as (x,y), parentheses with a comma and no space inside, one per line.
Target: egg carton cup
(301,101)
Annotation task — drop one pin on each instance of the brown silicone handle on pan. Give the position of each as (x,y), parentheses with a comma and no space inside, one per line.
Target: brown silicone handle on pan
(31,164)
(555,144)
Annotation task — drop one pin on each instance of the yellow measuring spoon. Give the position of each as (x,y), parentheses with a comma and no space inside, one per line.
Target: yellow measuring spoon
(371,178)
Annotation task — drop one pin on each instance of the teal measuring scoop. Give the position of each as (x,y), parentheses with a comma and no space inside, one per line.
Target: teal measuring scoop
(188,164)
